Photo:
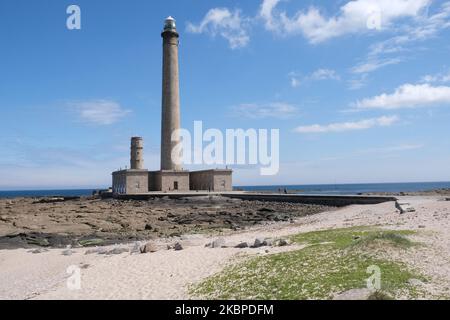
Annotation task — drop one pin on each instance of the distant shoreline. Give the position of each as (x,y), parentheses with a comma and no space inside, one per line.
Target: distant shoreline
(411,188)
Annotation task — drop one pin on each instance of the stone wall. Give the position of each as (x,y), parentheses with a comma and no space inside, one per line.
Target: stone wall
(130,182)
(170,178)
(167,181)
(212,180)
(223,181)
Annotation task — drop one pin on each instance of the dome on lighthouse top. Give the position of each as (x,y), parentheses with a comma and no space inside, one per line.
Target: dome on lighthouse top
(169,24)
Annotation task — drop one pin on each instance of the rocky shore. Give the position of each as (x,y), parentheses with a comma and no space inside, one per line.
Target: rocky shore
(59,222)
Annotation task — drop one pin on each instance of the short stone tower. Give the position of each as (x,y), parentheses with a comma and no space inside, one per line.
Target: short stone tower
(136,158)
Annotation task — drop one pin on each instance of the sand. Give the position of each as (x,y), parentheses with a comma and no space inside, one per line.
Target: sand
(167,274)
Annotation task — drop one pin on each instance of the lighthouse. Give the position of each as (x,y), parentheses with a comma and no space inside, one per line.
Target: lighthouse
(170,120)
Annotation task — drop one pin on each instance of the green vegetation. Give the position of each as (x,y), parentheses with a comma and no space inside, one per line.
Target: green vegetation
(90,242)
(333,261)
(356,237)
(379,295)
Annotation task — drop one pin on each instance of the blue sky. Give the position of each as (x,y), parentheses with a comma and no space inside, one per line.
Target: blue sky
(360,90)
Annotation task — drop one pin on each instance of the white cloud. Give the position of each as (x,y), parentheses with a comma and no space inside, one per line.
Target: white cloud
(421,28)
(408,96)
(357,83)
(295,82)
(354,17)
(349,126)
(397,148)
(272,110)
(324,74)
(318,75)
(223,22)
(374,64)
(441,77)
(100,112)
(266,12)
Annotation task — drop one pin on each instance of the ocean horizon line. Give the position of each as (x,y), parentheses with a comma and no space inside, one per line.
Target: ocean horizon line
(334,188)
(234,186)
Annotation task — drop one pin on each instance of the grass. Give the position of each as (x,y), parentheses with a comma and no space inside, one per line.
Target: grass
(379,295)
(356,237)
(90,242)
(333,261)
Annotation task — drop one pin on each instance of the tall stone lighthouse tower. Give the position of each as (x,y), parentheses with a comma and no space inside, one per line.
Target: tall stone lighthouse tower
(170,98)
(171,177)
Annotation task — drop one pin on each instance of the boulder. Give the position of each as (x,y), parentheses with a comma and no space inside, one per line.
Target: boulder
(242,245)
(259,242)
(280,243)
(149,247)
(177,247)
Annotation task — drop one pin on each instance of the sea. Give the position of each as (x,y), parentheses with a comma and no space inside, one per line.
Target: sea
(336,189)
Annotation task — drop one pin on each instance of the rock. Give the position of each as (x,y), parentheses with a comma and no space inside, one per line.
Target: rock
(415,282)
(242,245)
(96,250)
(218,243)
(50,200)
(266,210)
(90,242)
(67,252)
(37,251)
(117,251)
(175,235)
(259,242)
(177,247)
(354,294)
(149,247)
(404,207)
(136,248)
(280,243)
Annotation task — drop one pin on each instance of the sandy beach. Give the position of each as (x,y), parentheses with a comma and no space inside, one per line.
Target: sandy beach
(122,272)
